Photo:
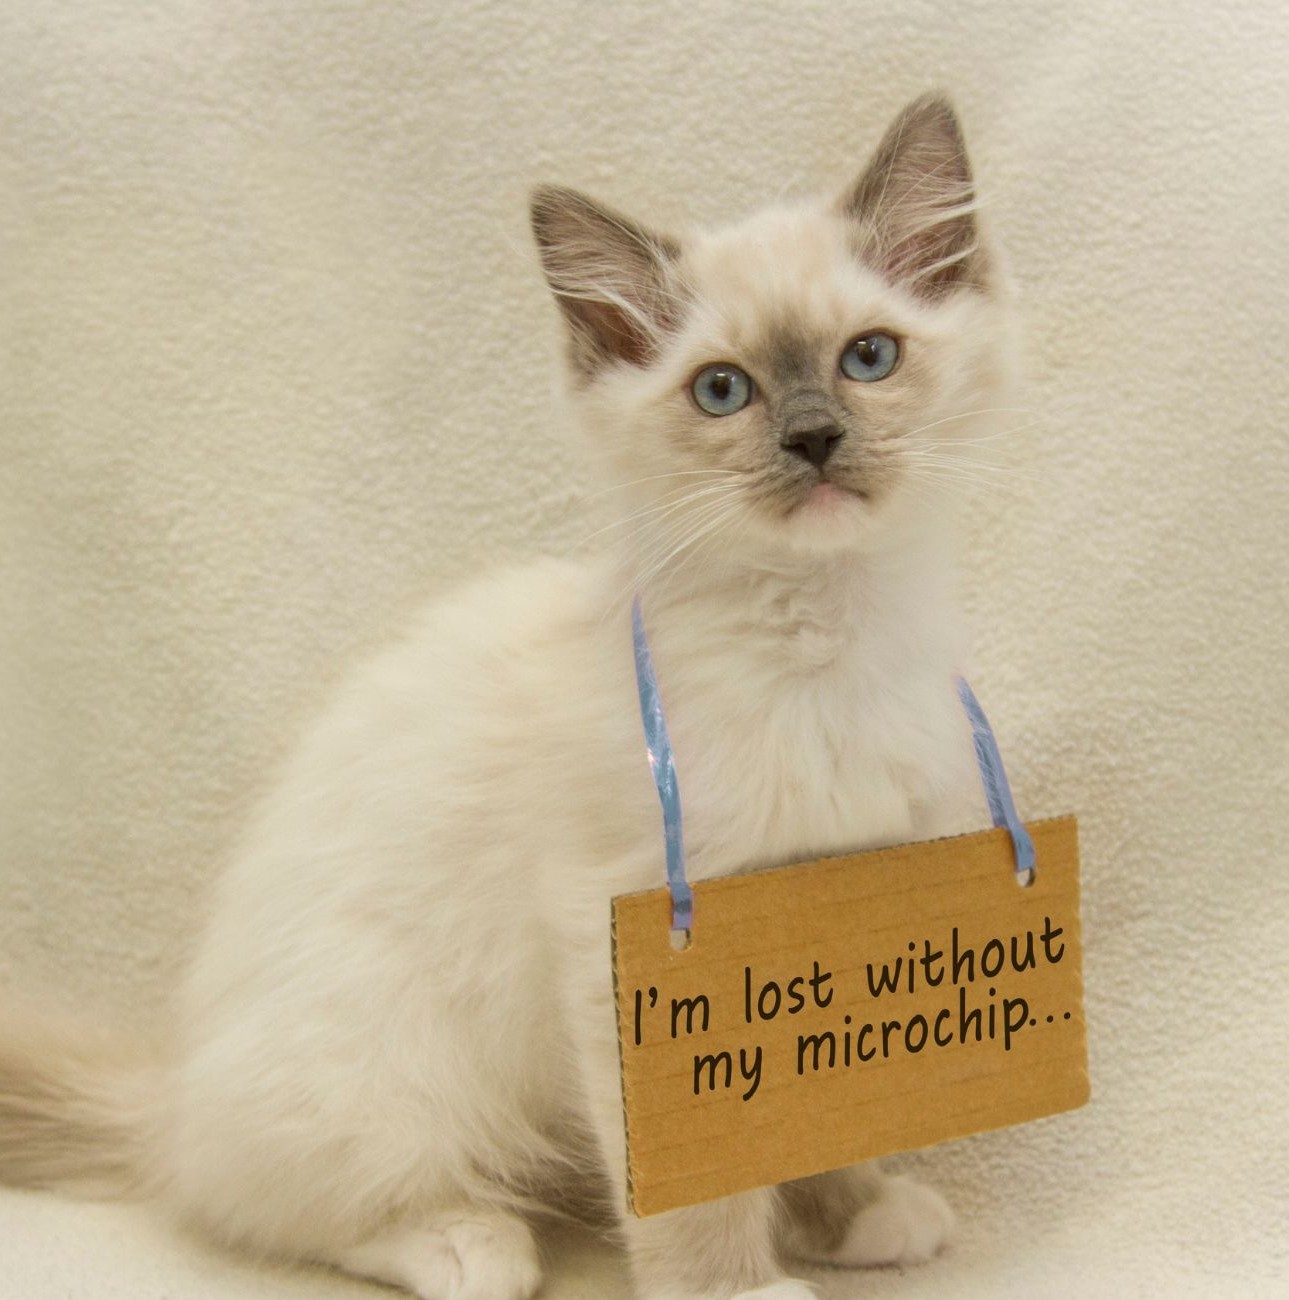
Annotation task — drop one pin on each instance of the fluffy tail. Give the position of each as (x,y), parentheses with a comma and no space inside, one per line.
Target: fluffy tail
(79,1110)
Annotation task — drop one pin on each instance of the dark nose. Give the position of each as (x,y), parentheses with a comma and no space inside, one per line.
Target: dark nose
(814,445)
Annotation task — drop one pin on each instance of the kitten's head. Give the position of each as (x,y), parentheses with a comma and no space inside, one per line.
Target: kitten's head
(790,382)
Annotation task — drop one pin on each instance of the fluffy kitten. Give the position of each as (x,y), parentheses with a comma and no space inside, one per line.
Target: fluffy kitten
(397,1041)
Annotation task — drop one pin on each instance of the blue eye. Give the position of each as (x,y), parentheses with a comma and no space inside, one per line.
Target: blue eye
(722,389)
(870,357)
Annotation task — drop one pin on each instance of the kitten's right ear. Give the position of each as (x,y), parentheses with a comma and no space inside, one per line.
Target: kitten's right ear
(614,281)
(913,209)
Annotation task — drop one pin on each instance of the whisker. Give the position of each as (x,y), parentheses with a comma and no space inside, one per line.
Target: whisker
(653,478)
(990,437)
(712,522)
(677,530)
(673,539)
(699,544)
(961,415)
(948,476)
(662,509)
(733,518)
(661,525)
(981,466)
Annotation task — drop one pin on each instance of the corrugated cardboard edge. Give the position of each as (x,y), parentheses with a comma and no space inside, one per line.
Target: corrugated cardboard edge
(622,1062)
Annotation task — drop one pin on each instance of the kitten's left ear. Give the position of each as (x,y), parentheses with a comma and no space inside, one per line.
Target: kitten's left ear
(913,209)
(613,279)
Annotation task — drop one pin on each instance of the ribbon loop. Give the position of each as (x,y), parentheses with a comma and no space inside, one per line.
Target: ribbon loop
(993,776)
(662,764)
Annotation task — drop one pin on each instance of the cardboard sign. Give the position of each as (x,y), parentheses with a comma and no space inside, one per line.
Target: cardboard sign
(835,1011)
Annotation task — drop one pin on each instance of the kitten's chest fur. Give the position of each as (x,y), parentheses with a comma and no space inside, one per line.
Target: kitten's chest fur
(810,715)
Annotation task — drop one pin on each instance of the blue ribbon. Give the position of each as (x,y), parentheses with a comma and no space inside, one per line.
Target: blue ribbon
(662,764)
(993,775)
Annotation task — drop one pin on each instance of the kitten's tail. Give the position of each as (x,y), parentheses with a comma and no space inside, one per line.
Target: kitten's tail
(79,1110)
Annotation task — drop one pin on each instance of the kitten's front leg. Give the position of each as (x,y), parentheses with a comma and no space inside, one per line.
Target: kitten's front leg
(721,1250)
(862,1218)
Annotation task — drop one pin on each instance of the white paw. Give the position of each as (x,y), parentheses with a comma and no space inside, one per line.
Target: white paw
(459,1255)
(906,1224)
(496,1259)
(788,1289)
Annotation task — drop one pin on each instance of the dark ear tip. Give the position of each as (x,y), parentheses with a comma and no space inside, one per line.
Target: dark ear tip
(556,208)
(935,107)
(548,195)
(544,201)
(937,100)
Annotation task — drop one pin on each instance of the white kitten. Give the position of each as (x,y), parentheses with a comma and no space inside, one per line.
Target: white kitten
(398,1038)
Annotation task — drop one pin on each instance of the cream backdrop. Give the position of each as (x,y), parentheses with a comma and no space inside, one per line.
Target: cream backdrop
(277,363)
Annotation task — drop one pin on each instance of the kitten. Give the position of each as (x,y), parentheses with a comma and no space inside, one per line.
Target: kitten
(397,1042)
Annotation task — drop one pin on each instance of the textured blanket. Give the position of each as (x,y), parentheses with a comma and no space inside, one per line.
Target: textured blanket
(275,364)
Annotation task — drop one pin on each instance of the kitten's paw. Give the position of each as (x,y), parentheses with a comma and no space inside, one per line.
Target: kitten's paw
(496,1256)
(906,1223)
(787,1289)
(468,1254)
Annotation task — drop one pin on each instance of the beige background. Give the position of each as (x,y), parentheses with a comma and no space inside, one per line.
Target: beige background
(276,361)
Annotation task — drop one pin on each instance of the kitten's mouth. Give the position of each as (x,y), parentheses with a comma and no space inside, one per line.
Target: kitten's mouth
(827,497)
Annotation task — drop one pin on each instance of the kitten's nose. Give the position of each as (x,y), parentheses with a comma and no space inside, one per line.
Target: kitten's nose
(814,445)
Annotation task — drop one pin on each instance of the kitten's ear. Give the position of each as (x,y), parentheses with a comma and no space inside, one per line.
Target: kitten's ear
(614,280)
(913,209)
